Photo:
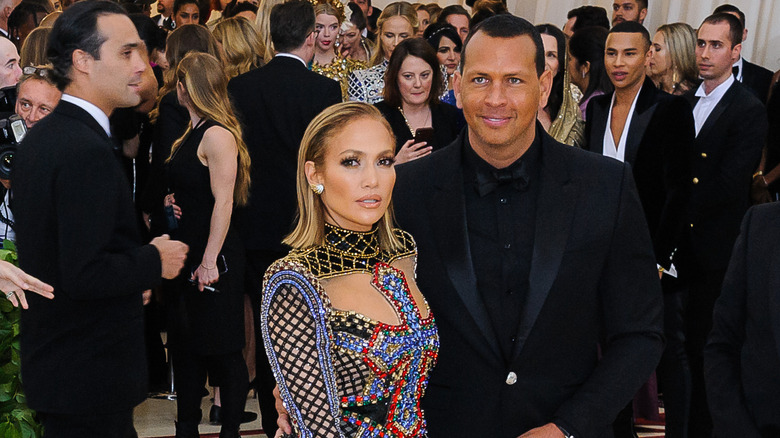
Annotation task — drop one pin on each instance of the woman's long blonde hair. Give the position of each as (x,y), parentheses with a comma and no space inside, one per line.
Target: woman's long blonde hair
(263,24)
(185,39)
(241,44)
(310,227)
(202,76)
(397,9)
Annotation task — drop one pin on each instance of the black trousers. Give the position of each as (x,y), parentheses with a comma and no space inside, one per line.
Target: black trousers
(704,290)
(189,373)
(256,264)
(115,425)
(674,375)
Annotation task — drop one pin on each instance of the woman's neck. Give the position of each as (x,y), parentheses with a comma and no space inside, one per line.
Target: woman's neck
(195,118)
(324,58)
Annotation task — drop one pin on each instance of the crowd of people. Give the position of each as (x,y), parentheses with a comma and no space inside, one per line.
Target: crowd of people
(570,237)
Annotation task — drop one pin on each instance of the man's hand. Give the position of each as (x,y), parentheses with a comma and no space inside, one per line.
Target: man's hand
(173,254)
(14,281)
(284,418)
(147,296)
(549,430)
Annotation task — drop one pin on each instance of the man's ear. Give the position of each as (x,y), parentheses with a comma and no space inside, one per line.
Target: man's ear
(735,53)
(545,87)
(456,87)
(82,61)
(642,15)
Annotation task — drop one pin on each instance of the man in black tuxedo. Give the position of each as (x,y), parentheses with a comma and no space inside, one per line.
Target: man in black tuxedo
(164,18)
(83,356)
(731,127)
(654,132)
(756,78)
(532,254)
(742,355)
(276,103)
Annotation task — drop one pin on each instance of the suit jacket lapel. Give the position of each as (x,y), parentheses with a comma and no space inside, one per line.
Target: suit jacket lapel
(774,298)
(724,102)
(447,210)
(74,111)
(643,112)
(554,214)
(600,117)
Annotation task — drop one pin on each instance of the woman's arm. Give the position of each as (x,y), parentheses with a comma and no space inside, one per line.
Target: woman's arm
(297,338)
(219,152)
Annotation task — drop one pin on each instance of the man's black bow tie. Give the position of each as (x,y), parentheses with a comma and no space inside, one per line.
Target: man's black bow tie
(487,182)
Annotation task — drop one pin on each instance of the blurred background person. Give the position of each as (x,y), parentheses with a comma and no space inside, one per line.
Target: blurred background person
(586,64)
(9,64)
(560,115)
(329,16)
(458,17)
(484,9)
(352,43)
(241,45)
(186,12)
(263,25)
(423,18)
(434,10)
(24,19)
(396,23)
(411,102)
(34,48)
(445,41)
(37,95)
(585,16)
(671,62)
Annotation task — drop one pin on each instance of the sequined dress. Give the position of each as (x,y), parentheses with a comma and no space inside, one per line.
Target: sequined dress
(339,69)
(341,374)
(368,85)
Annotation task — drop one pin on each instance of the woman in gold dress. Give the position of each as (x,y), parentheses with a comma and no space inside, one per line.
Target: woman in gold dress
(327,61)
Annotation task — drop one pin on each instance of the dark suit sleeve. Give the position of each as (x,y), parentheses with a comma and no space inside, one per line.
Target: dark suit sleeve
(332,94)
(677,142)
(722,373)
(94,261)
(588,128)
(631,311)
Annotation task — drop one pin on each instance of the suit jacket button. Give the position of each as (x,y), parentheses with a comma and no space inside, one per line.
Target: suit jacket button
(511,378)
(696,180)
(704,155)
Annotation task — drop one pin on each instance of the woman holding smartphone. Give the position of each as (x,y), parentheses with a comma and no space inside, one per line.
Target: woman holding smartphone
(420,121)
(208,170)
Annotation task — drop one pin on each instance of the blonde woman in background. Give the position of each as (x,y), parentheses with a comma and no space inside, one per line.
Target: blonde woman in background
(329,19)
(263,24)
(241,45)
(34,48)
(672,60)
(208,171)
(397,22)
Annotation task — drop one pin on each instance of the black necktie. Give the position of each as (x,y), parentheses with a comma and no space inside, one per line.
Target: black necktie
(735,71)
(487,182)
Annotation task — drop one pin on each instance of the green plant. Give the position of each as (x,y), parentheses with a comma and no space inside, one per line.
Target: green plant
(16,419)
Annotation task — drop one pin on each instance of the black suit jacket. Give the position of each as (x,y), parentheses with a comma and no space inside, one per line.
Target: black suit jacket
(658,148)
(742,357)
(592,280)
(757,79)
(727,151)
(275,104)
(84,350)
(444,119)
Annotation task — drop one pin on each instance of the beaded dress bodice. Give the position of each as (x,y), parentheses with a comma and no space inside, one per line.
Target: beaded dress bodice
(368,85)
(340,373)
(339,69)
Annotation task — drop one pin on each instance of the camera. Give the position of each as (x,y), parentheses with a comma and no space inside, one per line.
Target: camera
(12,131)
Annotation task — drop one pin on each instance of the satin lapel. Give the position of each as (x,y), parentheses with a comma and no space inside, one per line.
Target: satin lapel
(598,130)
(555,206)
(447,210)
(774,296)
(724,103)
(643,112)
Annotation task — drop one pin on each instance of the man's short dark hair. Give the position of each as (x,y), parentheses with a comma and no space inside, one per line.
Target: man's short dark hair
(731,9)
(419,48)
(588,16)
(178,4)
(358,18)
(632,27)
(291,24)
(508,26)
(642,4)
(76,29)
(735,26)
(452,10)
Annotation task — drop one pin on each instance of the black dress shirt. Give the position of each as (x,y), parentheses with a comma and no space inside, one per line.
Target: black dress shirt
(500,213)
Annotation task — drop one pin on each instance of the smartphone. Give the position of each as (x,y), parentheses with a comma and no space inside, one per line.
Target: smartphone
(423,134)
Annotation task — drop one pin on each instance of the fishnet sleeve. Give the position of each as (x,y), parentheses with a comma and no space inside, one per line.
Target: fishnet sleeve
(297,339)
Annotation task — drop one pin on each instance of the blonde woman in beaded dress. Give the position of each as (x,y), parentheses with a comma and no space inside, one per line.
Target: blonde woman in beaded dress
(397,22)
(330,17)
(348,334)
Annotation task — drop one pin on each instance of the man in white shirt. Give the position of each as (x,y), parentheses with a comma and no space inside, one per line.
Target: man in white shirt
(83,355)
(731,126)
(6,7)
